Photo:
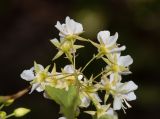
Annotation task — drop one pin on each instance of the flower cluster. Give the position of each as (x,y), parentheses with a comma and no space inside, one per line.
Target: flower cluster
(72,89)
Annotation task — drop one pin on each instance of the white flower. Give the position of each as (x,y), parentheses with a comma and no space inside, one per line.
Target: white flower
(119,64)
(109,42)
(121,92)
(70,70)
(124,92)
(70,27)
(103,111)
(36,74)
(88,92)
(66,78)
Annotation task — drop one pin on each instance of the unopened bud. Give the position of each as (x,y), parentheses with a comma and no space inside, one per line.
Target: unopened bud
(19,112)
(9,102)
(2,115)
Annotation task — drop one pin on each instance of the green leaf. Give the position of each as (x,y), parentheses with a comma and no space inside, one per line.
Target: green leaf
(68,100)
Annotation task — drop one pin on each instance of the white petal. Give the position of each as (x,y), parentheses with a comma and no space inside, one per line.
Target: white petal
(125,60)
(125,72)
(85,101)
(110,111)
(119,49)
(112,40)
(111,77)
(117,104)
(103,36)
(130,96)
(79,28)
(62,118)
(80,77)
(73,27)
(39,89)
(69,69)
(27,75)
(69,25)
(128,86)
(59,26)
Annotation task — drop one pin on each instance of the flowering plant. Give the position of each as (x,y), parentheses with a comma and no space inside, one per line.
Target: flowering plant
(72,89)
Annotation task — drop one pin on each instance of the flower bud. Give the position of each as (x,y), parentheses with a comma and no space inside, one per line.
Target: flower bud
(2,115)
(9,102)
(19,112)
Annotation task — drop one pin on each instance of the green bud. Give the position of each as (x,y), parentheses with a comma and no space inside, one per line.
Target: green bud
(19,112)
(9,102)
(2,115)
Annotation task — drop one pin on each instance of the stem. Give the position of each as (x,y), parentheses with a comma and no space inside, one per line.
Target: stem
(16,95)
(10,115)
(1,106)
(74,60)
(94,57)
(100,74)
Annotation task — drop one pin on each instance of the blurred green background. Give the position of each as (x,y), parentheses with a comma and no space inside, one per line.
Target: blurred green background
(26,26)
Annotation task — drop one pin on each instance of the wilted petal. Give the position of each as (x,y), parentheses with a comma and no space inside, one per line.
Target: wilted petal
(117,104)
(27,75)
(125,60)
